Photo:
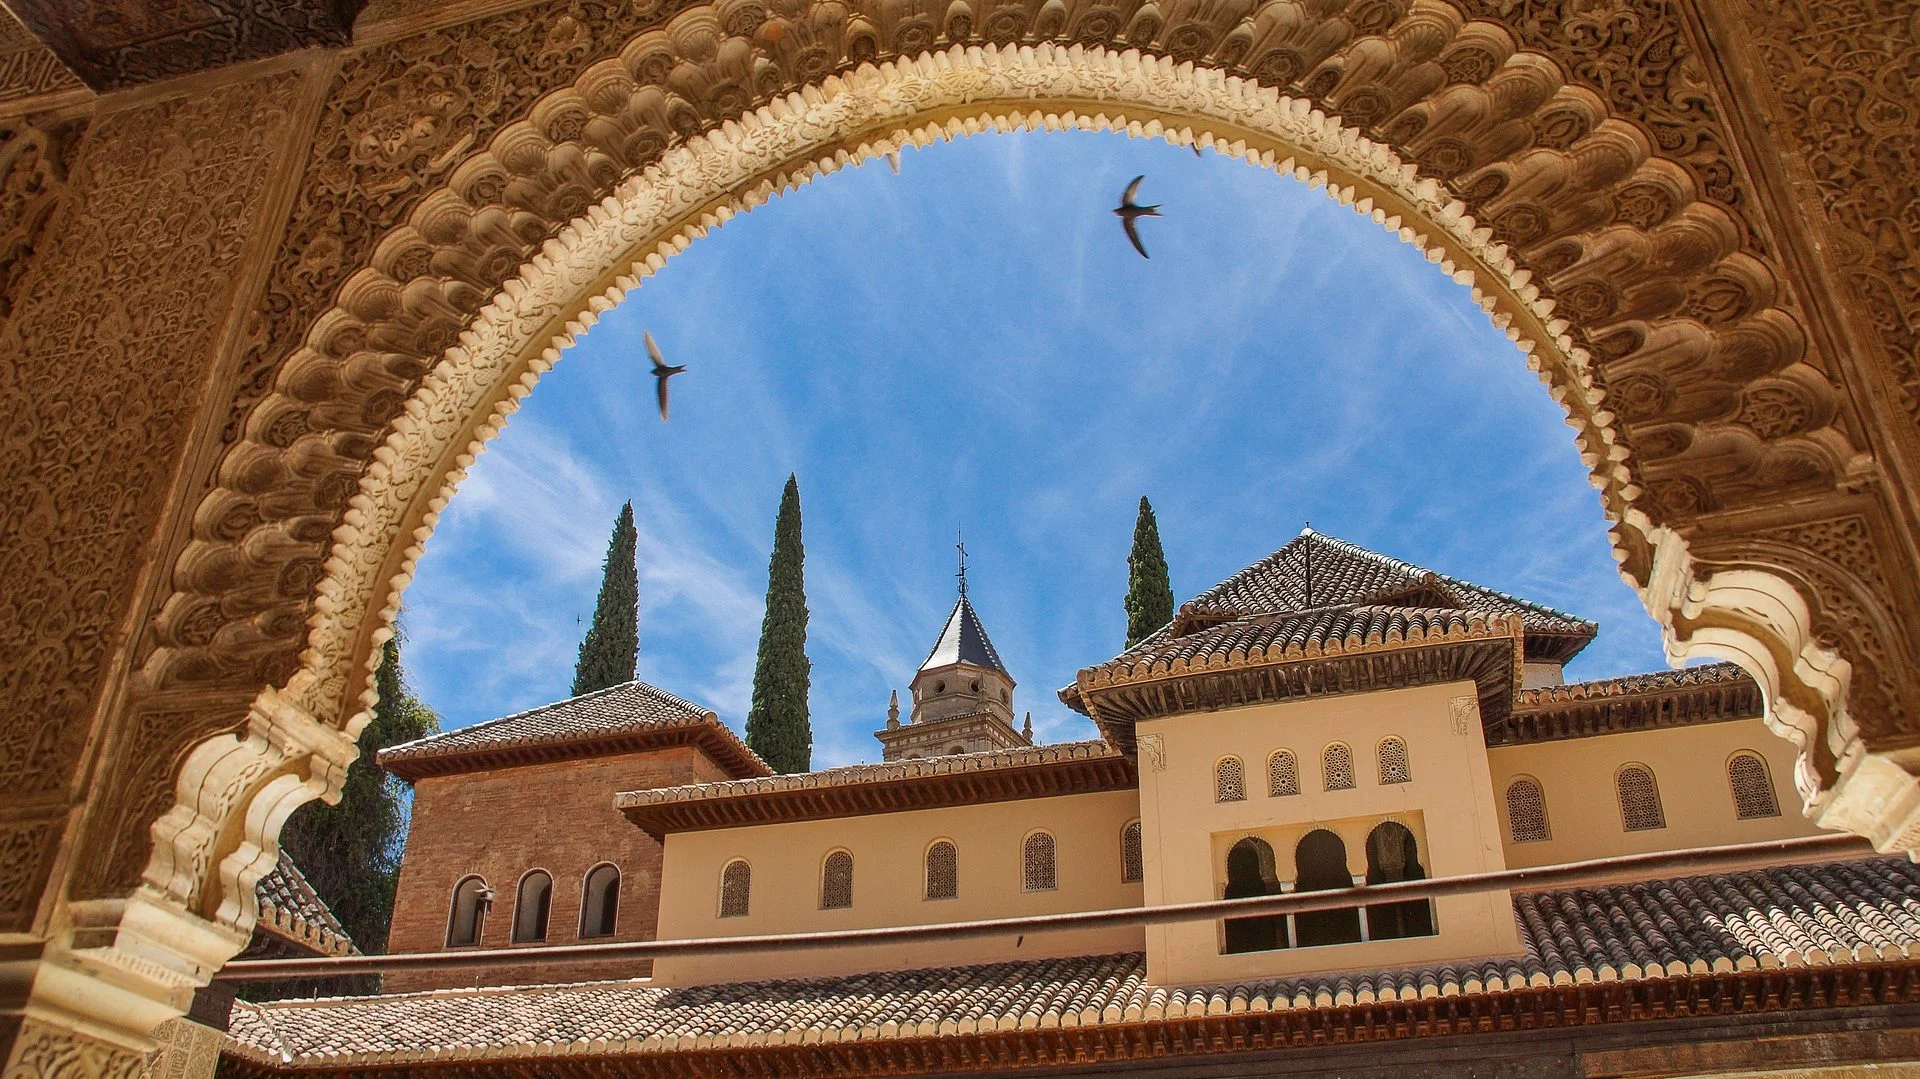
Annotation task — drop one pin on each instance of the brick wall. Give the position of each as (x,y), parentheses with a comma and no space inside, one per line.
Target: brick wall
(500,824)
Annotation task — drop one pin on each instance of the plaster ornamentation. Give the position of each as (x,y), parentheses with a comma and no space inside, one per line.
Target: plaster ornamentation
(1463,714)
(1154,749)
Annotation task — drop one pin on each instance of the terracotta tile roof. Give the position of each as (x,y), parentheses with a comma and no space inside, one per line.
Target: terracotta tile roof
(629,716)
(1288,655)
(1345,574)
(292,911)
(1710,693)
(949,779)
(1794,916)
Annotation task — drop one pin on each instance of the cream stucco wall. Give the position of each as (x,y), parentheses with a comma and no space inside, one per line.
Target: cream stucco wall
(1187,833)
(1690,771)
(888,887)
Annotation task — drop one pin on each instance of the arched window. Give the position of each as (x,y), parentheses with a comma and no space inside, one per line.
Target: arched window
(1639,799)
(1283,774)
(530,907)
(1038,872)
(1130,862)
(1394,855)
(1336,767)
(1391,756)
(1229,780)
(956,749)
(1752,784)
(736,886)
(1527,811)
(1321,862)
(1250,872)
(600,901)
(943,871)
(836,881)
(469,909)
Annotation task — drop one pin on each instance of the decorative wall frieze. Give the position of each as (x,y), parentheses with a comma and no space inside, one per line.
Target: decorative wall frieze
(112,44)
(28,69)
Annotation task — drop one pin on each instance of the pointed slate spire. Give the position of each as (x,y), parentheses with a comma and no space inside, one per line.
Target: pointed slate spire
(964,640)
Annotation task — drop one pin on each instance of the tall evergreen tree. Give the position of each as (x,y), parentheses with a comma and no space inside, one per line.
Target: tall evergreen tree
(611,650)
(777,725)
(1149,590)
(350,852)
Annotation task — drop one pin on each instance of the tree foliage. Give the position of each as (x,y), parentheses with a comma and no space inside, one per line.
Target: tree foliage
(611,650)
(777,725)
(350,851)
(1149,589)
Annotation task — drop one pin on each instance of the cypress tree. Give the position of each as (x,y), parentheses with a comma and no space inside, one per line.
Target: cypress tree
(611,649)
(777,725)
(1149,591)
(350,851)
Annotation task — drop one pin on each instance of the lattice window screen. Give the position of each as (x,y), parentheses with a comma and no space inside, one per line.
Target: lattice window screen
(1336,767)
(836,881)
(1752,787)
(1639,799)
(1039,873)
(1130,861)
(1527,811)
(943,871)
(736,881)
(1392,759)
(1230,780)
(1283,774)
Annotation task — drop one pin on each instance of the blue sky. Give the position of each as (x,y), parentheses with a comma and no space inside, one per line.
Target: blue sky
(972,344)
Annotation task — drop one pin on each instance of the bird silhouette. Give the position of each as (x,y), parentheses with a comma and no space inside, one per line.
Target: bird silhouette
(661,372)
(1131,212)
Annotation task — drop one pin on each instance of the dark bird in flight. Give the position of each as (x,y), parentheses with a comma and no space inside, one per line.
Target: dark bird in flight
(661,372)
(1131,212)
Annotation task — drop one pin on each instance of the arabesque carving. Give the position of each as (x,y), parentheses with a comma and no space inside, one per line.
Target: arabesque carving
(474,196)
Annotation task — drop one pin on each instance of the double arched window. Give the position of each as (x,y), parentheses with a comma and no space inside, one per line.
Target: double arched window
(1283,774)
(1527,811)
(943,870)
(1752,785)
(599,901)
(836,881)
(469,910)
(1131,868)
(1640,809)
(1390,758)
(531,904)
(736,887)
(1336,767)
(1229,780)
(1038,873)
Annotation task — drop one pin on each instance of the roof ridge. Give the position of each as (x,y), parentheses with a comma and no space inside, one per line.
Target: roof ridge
(1402,563)
(470,728)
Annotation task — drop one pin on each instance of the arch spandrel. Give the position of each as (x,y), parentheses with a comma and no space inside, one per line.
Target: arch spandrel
(476,219)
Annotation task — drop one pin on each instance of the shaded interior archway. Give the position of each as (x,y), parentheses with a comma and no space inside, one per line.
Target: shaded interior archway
(458,309)
(1251,872)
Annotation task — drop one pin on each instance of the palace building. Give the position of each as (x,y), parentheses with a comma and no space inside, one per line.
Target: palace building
(1326,718)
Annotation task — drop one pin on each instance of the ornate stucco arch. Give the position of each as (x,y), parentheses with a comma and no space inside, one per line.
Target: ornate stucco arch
(1611,249)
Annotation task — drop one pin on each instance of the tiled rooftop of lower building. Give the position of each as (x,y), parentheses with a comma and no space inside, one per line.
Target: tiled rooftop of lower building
(1856,912)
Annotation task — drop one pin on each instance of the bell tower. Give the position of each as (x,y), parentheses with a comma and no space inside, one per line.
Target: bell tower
(962,696)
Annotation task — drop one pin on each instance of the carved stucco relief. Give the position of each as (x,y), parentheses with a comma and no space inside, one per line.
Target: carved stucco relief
(41,1051)
(443,162)
(28,68)
(113,327)
(1844,71)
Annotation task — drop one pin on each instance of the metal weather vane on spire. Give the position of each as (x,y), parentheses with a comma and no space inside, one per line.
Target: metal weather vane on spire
(960,545)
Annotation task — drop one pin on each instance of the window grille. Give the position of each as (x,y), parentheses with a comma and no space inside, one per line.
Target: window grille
(469,907)
(1038,870)
(530,907)
(600,901)
(1229,780)
(1130,862)
(1283,774)
(1391,756)
(943,871)
(1527,811)
(1752,787)
(736,882)
(836,881)
(1336,767)
(1639,799)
